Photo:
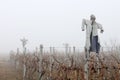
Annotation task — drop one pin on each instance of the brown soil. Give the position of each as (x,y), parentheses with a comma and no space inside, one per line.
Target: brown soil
(7,72)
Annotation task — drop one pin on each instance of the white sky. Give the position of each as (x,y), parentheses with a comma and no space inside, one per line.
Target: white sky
(54,22)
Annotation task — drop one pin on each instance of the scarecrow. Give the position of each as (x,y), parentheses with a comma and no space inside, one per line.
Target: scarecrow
(92,39)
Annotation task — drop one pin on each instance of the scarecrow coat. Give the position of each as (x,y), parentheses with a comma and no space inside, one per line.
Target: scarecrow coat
(86,24)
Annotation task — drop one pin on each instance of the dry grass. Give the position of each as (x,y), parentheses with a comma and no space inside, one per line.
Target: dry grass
(7,72)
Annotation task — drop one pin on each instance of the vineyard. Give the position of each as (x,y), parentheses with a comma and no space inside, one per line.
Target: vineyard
(65,65)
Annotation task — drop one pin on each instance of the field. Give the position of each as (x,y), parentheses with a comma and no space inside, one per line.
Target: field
(7,71)
(58,65)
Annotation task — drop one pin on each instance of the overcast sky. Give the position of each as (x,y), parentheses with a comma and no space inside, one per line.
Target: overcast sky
(54,22)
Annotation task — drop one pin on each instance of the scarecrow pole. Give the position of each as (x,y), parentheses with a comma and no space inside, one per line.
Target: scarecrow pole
(86,67)
(24,42)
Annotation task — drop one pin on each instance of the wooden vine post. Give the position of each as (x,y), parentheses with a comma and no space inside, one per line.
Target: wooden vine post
(24,42)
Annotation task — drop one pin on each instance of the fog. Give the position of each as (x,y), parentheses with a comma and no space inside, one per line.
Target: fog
(54,22)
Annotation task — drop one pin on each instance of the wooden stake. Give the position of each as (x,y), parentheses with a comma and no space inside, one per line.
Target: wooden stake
(86,67)
(24,42)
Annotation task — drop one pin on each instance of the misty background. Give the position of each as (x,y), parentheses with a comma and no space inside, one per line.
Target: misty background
(54,22)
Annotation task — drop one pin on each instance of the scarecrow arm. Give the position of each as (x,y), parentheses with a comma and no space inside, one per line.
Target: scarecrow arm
(100,27)
(83,24)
